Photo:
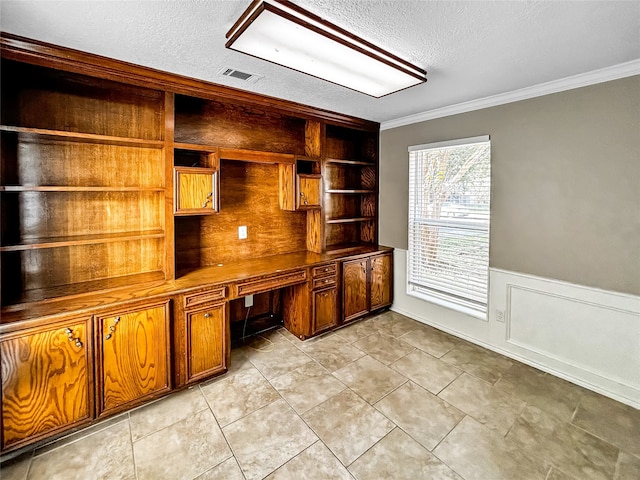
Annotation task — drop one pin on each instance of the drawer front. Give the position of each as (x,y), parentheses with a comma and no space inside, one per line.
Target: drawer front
(324,282)
(324,270)
(270,283)
(211,295)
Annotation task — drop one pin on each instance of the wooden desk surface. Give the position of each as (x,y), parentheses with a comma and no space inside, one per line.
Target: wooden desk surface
(91,303)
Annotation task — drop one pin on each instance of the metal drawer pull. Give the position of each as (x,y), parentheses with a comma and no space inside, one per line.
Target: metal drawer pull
(304,198)
(112,328)
(207,200)
(207,315)
(71,338)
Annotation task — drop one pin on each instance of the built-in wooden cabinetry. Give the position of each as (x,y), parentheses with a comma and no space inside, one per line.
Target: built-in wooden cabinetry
(47,380)
(201,335)
(122,194)
(367,285)
(133,361)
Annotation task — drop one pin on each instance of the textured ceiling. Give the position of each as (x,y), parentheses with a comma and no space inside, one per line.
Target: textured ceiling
(471,49)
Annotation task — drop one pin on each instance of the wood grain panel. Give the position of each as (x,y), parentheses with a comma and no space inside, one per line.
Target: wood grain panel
(296,310)
(313,138)
(37,161)
(56,214)
(287,187)
(47,377)
(381,275)
(315,231)
(248,196)
(51,267)
(368,177)
(207,336)
(134,349)
(65,101)
(355,300)
(208,122)
(325,310)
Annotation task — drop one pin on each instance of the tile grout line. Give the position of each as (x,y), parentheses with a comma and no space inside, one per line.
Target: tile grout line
(133,452)
(233,455)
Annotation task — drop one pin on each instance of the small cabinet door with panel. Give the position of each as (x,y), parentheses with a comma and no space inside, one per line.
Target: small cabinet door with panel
(355,300)
(133,353)
(207,341)
(308,191)
(47,381)
(325,313)
(196,190)
(381,274)
(367,285)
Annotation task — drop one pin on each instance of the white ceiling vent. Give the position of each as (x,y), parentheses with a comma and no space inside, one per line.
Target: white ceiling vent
(238,75)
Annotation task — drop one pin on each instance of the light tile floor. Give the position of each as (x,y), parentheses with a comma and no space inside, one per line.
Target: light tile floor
(385,398)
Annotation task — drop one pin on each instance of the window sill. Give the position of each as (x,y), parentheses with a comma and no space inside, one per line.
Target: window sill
(448,304)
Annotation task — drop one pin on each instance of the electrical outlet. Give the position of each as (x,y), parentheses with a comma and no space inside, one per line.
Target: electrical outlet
(500,316)
(242,232)
(248,301)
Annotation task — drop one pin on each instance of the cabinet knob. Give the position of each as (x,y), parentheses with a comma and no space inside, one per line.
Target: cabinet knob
(207,315)
(304,198)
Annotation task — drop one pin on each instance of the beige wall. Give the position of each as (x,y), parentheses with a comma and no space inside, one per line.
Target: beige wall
(565,183)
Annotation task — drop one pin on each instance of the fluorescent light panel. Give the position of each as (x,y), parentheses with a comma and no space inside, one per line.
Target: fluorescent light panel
(290,36)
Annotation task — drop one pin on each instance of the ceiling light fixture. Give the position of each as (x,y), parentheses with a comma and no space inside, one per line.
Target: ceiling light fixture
(284,33)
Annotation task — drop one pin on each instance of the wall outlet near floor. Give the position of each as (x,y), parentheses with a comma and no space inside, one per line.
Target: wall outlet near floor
(242,232)
(500,316)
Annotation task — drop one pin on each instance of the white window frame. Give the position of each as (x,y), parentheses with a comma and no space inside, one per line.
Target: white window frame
(447,301)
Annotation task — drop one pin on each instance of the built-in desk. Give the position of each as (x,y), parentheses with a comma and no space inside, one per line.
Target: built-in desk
(182,324)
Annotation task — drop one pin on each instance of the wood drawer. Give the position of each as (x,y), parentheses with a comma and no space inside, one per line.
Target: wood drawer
(324,282)
(324,270)
(270,283)
(211,295)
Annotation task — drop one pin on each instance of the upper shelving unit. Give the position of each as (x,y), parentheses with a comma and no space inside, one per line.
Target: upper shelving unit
(83,184)
(351,189)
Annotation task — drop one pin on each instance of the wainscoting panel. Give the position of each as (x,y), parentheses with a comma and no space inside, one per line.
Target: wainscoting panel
(588,336)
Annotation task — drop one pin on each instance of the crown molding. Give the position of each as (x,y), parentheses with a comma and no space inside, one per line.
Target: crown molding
(607,74)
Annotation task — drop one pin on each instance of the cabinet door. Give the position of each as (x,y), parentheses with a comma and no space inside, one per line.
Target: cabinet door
(134,349)
(207,341)
(354,287)
(46,378)
(381,275)
(325,313)
(196,191)
(308,191)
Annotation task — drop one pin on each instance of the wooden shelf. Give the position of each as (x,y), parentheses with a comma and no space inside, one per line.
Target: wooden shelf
(83,137)
(66,188)
(54,294)
(359,190)
(349,162)
(53,242)
(194,147)
(346,247)
(349,220)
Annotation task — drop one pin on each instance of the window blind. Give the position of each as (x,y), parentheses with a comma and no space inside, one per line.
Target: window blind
(449,200)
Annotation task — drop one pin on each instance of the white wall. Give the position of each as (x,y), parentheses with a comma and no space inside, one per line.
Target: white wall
(588,336)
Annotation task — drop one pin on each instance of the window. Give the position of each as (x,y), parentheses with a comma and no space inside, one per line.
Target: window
(449,193)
